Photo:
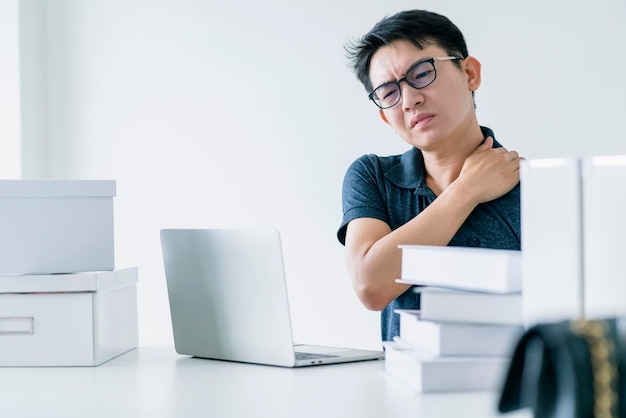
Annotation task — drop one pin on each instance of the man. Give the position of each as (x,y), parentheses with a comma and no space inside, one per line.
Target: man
(456,185)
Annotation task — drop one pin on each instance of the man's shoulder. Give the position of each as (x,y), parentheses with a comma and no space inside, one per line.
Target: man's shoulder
(384,162)
(402,170)
(375,158)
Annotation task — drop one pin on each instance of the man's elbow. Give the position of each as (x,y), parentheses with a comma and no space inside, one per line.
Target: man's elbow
(372,298)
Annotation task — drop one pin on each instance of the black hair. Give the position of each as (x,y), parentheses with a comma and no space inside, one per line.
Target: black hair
(420,27)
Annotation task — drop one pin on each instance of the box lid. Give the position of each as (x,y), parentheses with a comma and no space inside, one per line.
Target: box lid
(57,188)
(75,282)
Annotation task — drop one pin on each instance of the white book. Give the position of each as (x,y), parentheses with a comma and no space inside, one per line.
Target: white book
(458,338)
(424,372)
(552,276)
(438,304)
(604,209)
(481,269)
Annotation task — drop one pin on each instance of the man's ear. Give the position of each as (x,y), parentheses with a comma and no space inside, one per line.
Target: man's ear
(472,69)
(383,117)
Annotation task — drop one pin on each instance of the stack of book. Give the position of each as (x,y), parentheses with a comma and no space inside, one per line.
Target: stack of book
(469,321)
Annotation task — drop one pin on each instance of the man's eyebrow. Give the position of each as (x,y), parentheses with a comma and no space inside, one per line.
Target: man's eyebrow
(415,63)
(418,62)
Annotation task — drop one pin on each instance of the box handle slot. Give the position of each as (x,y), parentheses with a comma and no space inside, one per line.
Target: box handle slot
(18,325)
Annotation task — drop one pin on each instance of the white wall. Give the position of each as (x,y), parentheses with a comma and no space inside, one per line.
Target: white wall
(33,88)
(217,113)
(10,150)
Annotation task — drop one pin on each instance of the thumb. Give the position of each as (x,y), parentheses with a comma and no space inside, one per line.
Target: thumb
(487,143)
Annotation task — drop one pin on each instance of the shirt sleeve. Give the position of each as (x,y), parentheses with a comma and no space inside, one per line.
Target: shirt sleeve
(363,193)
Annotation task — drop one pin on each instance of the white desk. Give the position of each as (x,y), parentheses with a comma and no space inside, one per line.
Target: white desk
(157,382)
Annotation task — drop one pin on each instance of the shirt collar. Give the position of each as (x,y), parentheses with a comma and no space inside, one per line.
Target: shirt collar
(409,172)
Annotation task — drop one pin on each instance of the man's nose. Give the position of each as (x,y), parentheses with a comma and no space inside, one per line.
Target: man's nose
(411,97)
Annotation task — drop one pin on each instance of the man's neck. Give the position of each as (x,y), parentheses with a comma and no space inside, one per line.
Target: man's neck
(444,165)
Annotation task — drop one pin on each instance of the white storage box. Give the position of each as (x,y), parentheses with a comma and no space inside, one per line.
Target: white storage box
(56,226)
(81,319)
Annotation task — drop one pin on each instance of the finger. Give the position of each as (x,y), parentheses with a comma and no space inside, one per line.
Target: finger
(487,143)
(512,156)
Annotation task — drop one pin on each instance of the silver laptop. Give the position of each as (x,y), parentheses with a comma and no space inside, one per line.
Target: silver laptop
(228,299)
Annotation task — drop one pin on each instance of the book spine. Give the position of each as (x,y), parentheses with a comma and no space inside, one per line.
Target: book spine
(604,206)
(484,270)
(551,196)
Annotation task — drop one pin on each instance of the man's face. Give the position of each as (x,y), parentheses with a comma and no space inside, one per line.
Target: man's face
(434,117)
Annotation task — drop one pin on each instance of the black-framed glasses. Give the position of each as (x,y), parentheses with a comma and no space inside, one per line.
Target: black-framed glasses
(420,75)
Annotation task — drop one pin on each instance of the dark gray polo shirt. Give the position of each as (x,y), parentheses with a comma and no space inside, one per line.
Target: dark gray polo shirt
(393,189)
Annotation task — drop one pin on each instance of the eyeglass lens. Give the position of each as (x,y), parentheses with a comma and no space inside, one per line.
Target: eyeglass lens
(418,76)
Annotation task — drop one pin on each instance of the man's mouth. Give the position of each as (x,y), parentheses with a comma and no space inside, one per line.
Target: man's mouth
(421,119)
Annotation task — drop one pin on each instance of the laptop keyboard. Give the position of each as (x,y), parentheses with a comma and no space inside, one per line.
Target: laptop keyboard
(311,356)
